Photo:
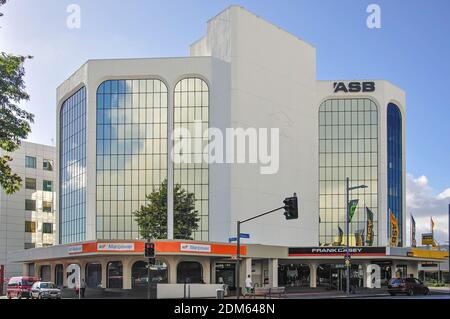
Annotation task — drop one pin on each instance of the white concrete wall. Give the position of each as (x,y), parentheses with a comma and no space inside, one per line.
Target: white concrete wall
(272,86)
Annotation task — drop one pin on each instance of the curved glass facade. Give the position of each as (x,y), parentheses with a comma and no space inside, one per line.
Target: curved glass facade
(348,147)
(72,200)
(191,111)
(394,175)
(131,151)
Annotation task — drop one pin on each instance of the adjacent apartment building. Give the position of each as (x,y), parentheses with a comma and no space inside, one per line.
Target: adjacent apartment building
(27,217)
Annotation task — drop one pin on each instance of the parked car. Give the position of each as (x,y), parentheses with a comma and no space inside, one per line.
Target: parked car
(20,287)
(45,290)
(409,286)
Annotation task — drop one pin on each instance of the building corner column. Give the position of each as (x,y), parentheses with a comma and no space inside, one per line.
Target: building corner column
(52,272)
(313,275)
(104,264)
(126,274)
(273,272)
(25,268)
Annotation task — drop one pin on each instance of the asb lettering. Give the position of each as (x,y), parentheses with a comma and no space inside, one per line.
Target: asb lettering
(354,87)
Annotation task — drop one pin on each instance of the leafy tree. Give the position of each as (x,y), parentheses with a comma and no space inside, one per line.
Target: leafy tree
(14,122)
(152,217)
(2,2)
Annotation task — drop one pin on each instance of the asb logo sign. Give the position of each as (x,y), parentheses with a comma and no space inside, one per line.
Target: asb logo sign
(354,87)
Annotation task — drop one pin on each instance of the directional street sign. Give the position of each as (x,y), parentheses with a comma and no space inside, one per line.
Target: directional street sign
(243,235)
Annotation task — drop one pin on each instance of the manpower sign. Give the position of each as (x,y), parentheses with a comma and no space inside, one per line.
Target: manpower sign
(336,251)
(162,247)
(106,247)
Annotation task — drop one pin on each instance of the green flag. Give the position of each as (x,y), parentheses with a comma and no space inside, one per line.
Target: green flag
(352,208)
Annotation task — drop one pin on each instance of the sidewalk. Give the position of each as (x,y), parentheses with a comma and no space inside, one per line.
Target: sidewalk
(320,293)
(444,290)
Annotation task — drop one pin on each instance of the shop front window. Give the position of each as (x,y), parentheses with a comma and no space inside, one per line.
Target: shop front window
(139,273)
(59,275)
(189,272)
(115,274)
(93,275)
(45,273)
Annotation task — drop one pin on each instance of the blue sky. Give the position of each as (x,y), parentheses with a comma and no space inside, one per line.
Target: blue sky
(412,50)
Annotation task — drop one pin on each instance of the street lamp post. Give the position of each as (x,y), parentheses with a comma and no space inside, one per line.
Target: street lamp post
(347,255)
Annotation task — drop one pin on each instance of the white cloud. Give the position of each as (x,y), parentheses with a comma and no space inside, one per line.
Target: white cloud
(423,203)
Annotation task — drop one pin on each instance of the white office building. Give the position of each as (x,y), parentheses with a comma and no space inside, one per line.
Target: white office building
(115,136)
(116,118)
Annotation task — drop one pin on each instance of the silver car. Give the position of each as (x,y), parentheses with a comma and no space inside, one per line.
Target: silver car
(45,290)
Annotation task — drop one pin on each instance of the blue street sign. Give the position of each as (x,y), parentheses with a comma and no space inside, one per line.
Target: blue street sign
(243,235)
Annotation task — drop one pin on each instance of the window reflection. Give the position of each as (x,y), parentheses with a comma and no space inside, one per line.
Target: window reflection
(191,104)
(394,155)
(73,168)
(348,147)
(132,115)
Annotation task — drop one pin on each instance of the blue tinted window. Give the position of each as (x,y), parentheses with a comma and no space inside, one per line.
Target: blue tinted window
(394,155)
(73,168)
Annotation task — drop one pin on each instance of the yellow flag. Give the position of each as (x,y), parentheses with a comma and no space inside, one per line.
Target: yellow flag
(394,230)
(432,225)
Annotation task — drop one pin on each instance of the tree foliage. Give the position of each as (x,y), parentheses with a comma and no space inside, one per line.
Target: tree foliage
(152,217)
(14,121)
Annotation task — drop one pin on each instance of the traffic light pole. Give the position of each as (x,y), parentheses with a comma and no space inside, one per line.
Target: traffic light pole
(148,278)
(238,247)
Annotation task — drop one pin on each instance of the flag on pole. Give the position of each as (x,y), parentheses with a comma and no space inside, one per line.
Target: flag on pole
(432,226)
(359,237)
(352,205)
(394,230)
(413,232)
(369,235)
(340,236)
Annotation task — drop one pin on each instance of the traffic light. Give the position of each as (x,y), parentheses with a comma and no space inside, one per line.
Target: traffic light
(291,207)
(149,250)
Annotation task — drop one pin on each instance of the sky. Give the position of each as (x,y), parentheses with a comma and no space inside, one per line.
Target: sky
(411,50)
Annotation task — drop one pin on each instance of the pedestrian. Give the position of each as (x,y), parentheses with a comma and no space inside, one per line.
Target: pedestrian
(83,287)
(248,285)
